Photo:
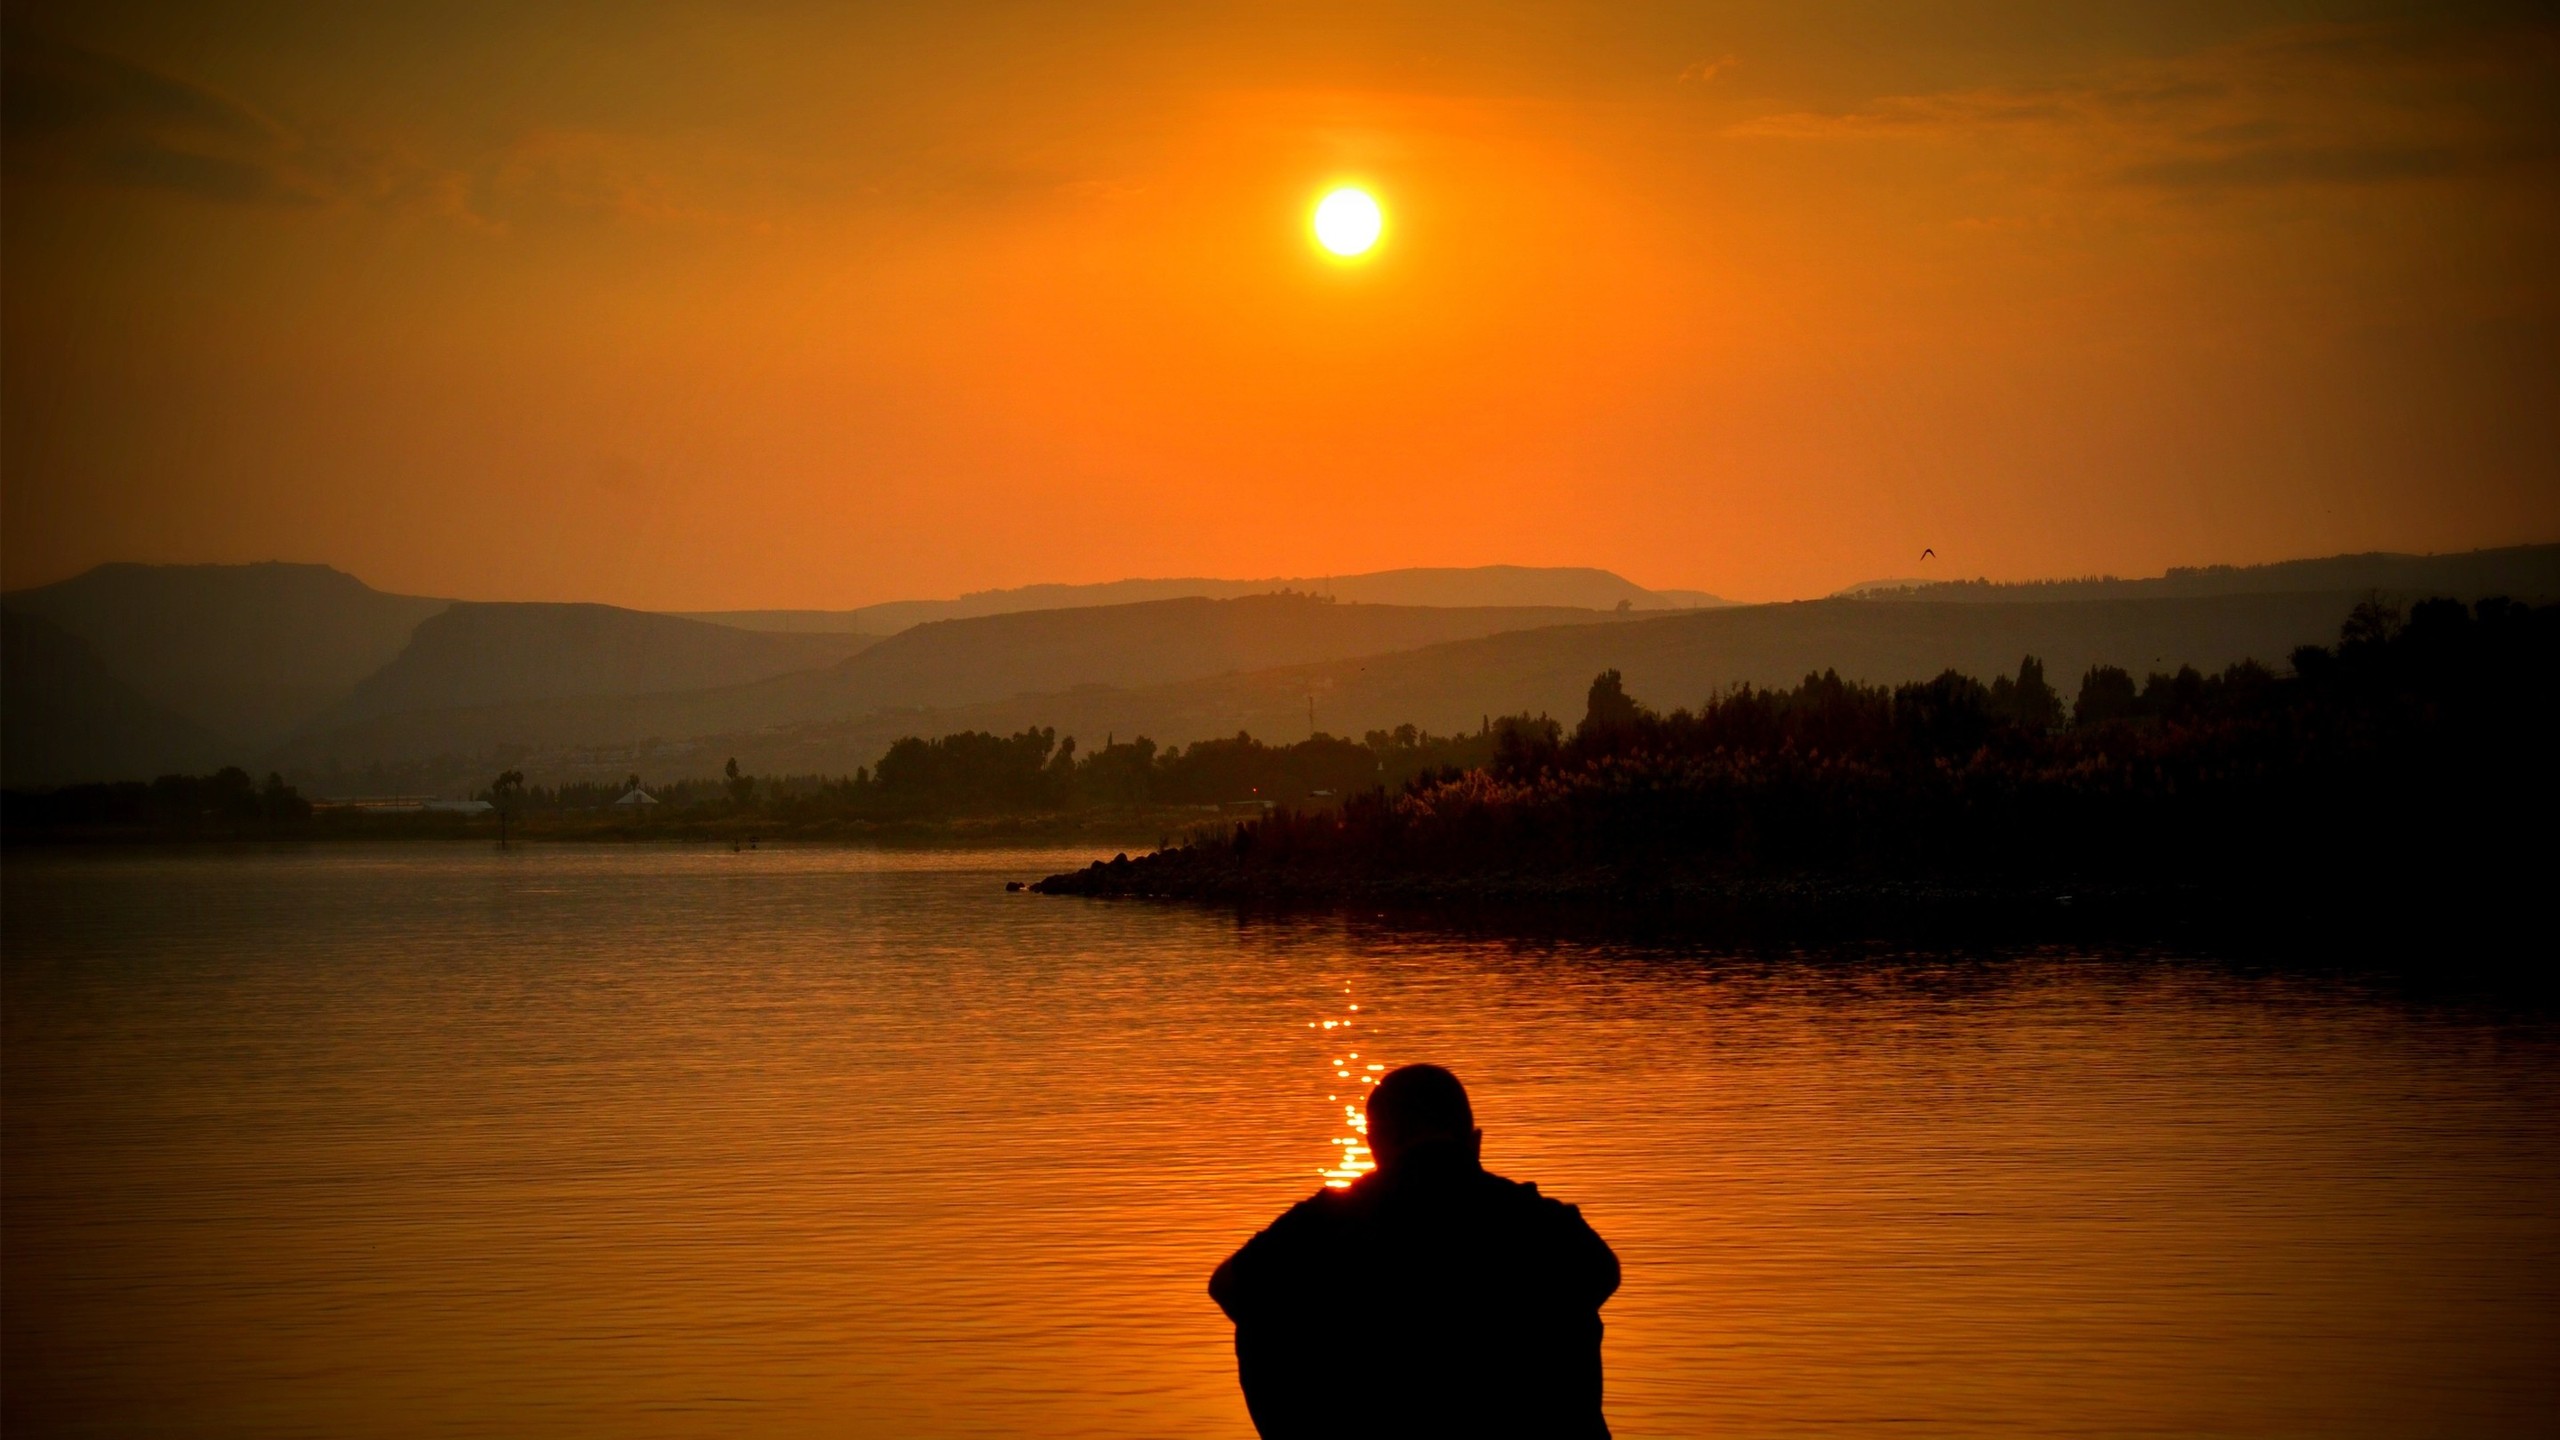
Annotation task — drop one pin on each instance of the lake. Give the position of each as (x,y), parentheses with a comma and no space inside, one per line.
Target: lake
(652,1141)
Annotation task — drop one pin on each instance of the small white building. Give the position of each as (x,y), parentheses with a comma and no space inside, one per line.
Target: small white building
(637,798)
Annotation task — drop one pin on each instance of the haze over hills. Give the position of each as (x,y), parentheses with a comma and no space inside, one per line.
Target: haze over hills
(949,663)
(1030,652)
(254,654)
(1668,661)
(451,686)
(1674,661)
(2522,572)
(477,654)
(68,718)
(1476,586)
(247,652)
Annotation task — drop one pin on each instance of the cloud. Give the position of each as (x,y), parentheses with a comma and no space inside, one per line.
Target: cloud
(80,116)
(562,174)
(2264,165)
(192,172)
(56,88)
(1701,72)
(73,112)
(2330,106)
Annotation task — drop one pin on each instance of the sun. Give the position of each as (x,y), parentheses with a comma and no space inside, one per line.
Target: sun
(1348,222)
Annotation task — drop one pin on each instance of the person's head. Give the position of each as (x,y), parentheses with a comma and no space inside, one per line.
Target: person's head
(1420,1106)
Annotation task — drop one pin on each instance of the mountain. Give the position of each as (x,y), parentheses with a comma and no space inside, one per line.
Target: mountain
(65,718)
(933,666)
(1668,661)
(1680,660)
(2521,572)
(362,679)
(958,662)
(482,654)
(1480,586)
(248,652)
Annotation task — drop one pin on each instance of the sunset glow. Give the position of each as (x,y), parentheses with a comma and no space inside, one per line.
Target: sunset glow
(691,694)
(1779,297)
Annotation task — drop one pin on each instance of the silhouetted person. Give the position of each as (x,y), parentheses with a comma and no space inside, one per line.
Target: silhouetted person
(1431,1298)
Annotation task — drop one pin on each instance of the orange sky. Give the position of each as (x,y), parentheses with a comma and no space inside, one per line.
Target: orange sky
(694,306)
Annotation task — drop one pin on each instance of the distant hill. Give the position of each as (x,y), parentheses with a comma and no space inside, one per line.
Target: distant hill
(248,652)
(1668,661)
(934,666)
(1478,586)
(65,718)
(2521,572)
(958,662)
(1680,660)
(480,654)
(308,668)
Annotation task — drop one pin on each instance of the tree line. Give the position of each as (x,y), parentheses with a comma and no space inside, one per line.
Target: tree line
(2383,738)
(2418,746)
(975,774)
(224,803)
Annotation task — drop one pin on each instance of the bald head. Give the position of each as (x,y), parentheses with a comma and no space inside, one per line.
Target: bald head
(1419,1106)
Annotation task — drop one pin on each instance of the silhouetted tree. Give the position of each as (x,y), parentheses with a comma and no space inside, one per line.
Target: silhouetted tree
(2027,701)
(2174,697)
(972,773)
(281,802)
(1948,716)
(2370,625)
(505,793)
(1525,746)
(1119,774)
(2106,693)
(1611,718)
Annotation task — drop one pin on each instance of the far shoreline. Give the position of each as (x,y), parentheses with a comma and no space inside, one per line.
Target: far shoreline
(1115,830)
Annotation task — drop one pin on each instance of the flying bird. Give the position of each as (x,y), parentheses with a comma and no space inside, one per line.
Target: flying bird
(1927,553)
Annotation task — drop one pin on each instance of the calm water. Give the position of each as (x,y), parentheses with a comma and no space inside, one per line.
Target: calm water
(631,1142)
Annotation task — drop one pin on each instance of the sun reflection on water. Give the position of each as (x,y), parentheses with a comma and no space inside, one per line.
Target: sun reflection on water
(1352,1159)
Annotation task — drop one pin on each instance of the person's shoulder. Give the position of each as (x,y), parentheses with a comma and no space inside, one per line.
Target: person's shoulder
(1523,1195)
(1555,1232)
(1523,1192)
(1313,1221)
(1271,1269)
(1325,1207)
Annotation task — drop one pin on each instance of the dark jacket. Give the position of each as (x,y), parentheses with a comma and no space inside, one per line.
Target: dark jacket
(1434,1299)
